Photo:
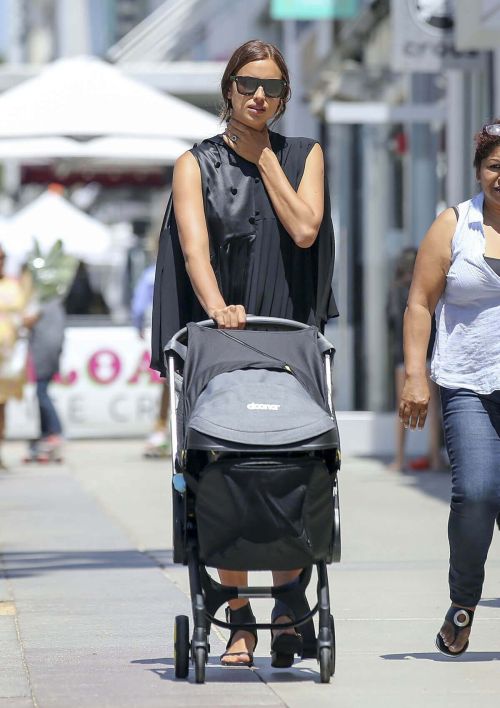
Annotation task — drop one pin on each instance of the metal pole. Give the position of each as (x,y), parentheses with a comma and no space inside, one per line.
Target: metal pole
(455,136)
(423,164)
(291,56)
(495,68)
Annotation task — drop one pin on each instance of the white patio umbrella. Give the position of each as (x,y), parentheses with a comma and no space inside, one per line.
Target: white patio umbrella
(51,217)
(119,150)
(86,97)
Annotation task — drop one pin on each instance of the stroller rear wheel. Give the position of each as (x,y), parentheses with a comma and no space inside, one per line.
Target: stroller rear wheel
(181,646)
(200,659)
(326,655)
(326,664)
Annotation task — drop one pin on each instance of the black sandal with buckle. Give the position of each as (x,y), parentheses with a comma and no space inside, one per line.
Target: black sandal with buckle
(284,646)
(459,618)
(242,616)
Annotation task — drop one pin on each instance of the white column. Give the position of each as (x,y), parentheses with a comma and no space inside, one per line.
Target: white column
(73,28)
(15,53)
(340,331)
(374,202)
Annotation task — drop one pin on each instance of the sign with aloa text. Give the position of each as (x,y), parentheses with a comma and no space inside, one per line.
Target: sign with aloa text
(423,39)
(105,387)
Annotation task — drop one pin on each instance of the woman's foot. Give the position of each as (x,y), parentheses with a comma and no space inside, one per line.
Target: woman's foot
(285,643)
(453,637)
(242,643)
(240,651)
(288,630)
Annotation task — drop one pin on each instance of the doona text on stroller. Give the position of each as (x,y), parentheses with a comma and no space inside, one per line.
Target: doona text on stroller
(255,451)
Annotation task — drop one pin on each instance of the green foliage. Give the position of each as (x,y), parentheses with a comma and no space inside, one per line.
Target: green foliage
(52,273)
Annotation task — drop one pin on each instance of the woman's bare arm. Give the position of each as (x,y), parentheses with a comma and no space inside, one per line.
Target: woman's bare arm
(193,235)
(428,283)
(301,212)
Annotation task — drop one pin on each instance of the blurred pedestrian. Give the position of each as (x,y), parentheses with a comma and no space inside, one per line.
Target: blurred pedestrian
(158,443)
(52,276)
(13,348)
(457,273)
(46,322)
(396,305)
(250,231)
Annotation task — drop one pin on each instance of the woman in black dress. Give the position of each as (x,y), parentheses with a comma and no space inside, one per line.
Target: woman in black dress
(250,232)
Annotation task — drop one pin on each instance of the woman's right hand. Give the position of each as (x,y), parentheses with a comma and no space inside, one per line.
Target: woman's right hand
(414,402)
(229,317)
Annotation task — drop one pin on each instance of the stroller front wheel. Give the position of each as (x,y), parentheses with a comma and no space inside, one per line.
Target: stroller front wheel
(200,659)
(181,646)
(326,664)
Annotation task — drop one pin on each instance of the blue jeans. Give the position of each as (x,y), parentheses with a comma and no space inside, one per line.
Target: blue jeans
(472,433)
(49,420)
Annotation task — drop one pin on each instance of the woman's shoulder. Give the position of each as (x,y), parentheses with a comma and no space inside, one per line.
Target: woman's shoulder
(198,151)
(295,145)
(207,145)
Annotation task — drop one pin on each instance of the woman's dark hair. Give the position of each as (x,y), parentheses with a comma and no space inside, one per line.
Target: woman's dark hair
(253,50)
(485,143)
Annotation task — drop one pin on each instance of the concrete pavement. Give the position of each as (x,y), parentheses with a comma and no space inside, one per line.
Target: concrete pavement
(88,594)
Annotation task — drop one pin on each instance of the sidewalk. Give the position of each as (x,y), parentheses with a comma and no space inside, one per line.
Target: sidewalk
(88,595)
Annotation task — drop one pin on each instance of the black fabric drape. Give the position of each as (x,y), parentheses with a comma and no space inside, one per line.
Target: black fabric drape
(253,257)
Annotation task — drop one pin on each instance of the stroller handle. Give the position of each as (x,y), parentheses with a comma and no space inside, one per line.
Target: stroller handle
(253,321)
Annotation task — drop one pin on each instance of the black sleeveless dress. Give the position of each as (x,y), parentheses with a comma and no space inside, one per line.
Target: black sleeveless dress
(255,261)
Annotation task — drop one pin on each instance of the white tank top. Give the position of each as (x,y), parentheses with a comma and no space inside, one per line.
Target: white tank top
(467,347)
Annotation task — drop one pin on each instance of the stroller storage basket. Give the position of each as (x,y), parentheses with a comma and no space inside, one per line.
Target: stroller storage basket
(264,512)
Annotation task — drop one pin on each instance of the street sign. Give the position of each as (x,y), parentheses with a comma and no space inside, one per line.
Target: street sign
(423,37)
(313,9)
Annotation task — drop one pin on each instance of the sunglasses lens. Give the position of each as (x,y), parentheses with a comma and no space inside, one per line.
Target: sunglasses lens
(274,88)
(248,85)
(493,129)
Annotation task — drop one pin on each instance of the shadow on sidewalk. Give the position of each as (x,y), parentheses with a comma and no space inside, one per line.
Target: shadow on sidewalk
(435,484)
(215,673)
(468,657)
(490,602)
(26,563)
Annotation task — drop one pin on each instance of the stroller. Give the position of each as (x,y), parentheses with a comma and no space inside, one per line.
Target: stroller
(255,452)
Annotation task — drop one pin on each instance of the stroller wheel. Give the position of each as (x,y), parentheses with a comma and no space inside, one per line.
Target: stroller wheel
(326,664)
(200,659)
(326,654)
(181,646)
(332,661)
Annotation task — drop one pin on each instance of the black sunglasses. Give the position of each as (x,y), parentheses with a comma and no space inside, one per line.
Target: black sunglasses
(248,85)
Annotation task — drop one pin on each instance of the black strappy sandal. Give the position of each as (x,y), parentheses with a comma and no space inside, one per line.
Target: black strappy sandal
(459,618)
(242,616)
(284,646)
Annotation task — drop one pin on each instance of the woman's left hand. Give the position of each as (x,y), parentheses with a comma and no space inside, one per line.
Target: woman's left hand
(249,143)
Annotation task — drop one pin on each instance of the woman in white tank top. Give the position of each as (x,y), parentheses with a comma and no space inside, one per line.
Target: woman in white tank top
(457,276)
